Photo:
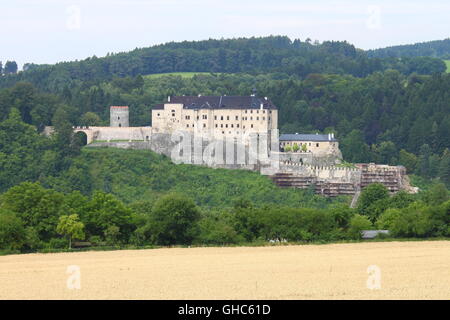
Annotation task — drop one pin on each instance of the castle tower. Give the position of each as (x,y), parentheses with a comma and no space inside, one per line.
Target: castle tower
(119,116)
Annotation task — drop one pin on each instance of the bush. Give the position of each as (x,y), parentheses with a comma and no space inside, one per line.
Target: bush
(387,219)
(174,220)
(357,224)
(413,222)
(12,232)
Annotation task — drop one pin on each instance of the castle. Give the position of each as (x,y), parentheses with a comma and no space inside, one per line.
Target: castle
(228,131)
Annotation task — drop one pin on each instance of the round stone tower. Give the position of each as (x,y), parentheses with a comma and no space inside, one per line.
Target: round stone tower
(119,116)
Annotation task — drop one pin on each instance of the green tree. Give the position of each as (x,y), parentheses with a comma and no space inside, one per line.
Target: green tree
(105,210)
(387,218)
(90,119)
(444,167)
(369,195)
(436,194)
(357,224)
(295,148)
(354,147)
(10,67)
(174,220)
(12,232)
(36,206)
(408,160)
(413,222)
(71,227)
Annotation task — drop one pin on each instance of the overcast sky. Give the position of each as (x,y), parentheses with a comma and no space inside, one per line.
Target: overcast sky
(48,31)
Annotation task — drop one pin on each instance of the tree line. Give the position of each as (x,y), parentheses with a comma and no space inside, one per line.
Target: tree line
(243,55)
(437,49)
(33,218)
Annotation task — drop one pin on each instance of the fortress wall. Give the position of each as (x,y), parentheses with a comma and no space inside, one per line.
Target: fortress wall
(309,158)
(330,174)
(121,133)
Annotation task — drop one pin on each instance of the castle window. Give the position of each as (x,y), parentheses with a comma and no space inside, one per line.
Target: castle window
(193,125)
(204,125)
(243,127)
(198,117)
(173,114)
(158,114)
(215,117)
(252,126)
(226,126)
(317,145)
(216,125)
(118,118)
(264,111)
(245,111)
(270,111)
(223,132)
(264,118)
(204,117)
(228,117)
(120,124)
(232,125)
(221,117)
(269,118)
(173,111)
(251,111)
(237,117)
(221,125)
(257,118)
(251,118)
(187,126)
(257,111)
(237,126)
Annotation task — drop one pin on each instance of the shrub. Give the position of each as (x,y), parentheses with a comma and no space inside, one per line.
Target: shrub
(357,224)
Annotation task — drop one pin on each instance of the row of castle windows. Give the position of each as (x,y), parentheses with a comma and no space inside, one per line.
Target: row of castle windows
(226,125)
(299,144)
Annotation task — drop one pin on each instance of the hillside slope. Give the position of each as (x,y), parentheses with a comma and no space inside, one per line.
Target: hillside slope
(436,49)
(250,55)
(135,175)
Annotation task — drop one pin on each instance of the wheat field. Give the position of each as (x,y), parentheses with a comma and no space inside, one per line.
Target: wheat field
(407,270)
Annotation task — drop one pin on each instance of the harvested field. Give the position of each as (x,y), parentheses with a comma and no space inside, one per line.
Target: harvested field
(409,270)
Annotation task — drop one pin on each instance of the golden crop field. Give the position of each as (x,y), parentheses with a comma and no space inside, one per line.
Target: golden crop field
(405,270)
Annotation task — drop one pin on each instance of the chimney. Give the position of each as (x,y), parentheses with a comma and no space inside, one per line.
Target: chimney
(332,136)
(329,136)
(168,99)
(265,98)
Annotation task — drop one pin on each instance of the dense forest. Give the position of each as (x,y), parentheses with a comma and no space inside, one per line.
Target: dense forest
(436,49)
(244,55)
(383,110)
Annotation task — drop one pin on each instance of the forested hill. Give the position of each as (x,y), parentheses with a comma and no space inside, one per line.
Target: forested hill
(274,54)
(436,49)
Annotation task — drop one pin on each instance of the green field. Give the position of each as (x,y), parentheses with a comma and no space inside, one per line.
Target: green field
(447,62)
(181,74)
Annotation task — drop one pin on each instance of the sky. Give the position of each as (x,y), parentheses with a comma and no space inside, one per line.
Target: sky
(50,31)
